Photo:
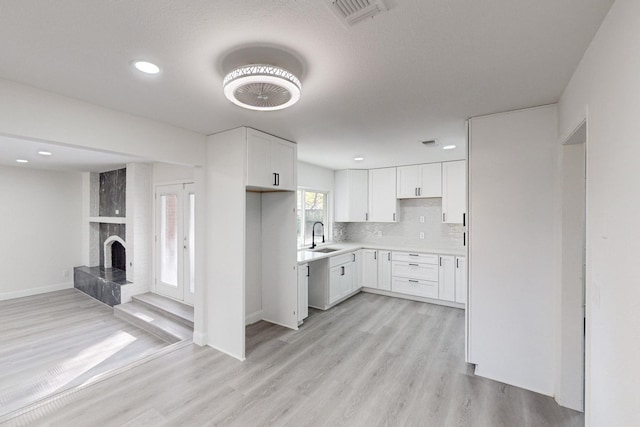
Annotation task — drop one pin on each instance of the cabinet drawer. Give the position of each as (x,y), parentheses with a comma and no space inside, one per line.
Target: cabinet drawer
(420,288)
(415,257)
(413,270)
(341,259)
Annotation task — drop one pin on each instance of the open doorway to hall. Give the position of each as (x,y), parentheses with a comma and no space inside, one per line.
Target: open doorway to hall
(573,318)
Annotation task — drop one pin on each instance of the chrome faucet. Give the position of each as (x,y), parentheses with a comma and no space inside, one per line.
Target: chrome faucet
(313,234)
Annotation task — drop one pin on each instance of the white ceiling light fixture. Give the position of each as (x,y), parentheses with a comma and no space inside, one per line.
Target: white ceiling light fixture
(262,87)
(448,147)
(146,67)
(22,160)
(358,159)
(44,153)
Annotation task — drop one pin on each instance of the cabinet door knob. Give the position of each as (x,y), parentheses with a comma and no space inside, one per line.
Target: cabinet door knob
(342,273)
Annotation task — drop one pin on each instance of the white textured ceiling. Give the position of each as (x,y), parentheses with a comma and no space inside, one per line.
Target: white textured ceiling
(62,158)
(375,89)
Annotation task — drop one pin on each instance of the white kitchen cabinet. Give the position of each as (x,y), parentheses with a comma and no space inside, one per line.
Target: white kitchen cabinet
(415,274)
(384,270)
(383,204)
(447,278)
(351,195)
(369,268)
(271,162)
(454,192)
(303,292)
(340,281)
(461,280)
(419,181)
(342,276)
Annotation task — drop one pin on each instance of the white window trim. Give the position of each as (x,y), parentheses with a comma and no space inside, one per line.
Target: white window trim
(328,230)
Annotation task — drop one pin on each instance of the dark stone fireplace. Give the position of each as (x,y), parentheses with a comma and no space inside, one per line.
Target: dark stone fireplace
(118,256)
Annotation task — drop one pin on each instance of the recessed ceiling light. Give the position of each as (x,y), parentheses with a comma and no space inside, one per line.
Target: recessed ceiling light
(146,67)
(22,161)
(448,147)
(44,153)
(358,159)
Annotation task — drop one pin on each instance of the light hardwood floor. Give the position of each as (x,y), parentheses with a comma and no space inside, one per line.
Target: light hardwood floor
(56,341)
(371,361)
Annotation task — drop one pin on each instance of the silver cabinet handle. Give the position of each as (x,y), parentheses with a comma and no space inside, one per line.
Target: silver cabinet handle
(415,265)
(413,281)
(307,271)
(342,274)
(414,254)
(354,257)
(444,216)
(366,216)
(419,191)
(389,256)
(375,255)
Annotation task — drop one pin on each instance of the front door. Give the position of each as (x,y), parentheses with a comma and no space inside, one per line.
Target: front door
(175,241)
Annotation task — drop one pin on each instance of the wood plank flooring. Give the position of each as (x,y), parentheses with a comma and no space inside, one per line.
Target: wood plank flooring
(56,341)
(370,361)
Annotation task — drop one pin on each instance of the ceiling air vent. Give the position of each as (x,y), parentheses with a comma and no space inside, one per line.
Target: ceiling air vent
(354,11)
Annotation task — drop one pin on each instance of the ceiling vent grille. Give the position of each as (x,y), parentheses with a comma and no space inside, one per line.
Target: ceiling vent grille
(353,11)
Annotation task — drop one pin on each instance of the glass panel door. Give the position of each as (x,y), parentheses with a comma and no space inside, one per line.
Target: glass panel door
(189,243)
(169,239)
(175,241)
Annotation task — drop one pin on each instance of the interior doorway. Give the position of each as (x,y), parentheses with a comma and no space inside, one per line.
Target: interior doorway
(572,300)
(175,241)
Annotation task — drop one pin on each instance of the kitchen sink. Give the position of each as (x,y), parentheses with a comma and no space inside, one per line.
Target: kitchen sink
(325,250)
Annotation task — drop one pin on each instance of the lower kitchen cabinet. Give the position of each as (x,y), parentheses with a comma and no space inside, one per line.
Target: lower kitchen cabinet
(303,292)
(369,268)
(341,281)
(419,288)
(384,270)
(461,280)
(447,278)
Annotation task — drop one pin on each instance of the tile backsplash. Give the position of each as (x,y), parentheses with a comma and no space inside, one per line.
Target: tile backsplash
(405,232)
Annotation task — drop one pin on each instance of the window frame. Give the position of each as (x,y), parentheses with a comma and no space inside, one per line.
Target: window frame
(300,192)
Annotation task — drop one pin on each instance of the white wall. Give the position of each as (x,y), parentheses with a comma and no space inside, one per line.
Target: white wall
(33,113)
(253,280)
(314,177)
(606,85)
(225,241)
(164,173)
(513,282)
(41,213)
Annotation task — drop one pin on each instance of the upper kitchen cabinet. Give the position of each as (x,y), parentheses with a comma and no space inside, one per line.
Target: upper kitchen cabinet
(383,204)
(271,162)
(351,195)
(419,181)
(454,192)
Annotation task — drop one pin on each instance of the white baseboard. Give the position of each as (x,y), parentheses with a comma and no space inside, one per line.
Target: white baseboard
(35,291)
(252,318)
(413,298)
(199,338)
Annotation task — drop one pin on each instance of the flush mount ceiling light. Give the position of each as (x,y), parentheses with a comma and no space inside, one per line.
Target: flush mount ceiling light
(358,159)
(146,67)
(262,87)
(22,161)
(44,153)
(448,147)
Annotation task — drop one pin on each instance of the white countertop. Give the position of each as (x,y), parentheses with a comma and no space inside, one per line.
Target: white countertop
(306,255)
